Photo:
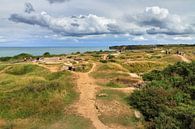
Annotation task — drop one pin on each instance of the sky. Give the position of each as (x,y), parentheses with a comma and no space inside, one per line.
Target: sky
(96,22)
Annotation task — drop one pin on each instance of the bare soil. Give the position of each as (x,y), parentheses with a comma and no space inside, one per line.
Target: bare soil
(86,104)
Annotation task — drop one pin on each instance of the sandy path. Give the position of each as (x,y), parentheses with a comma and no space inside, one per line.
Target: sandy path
(3,70)
(86,104)
(124,90)
(105,56)
(184,59)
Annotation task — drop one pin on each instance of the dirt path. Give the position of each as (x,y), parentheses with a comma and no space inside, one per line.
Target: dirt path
(184,59)
(124,90)
(6,68)
(86,104)
(105,56)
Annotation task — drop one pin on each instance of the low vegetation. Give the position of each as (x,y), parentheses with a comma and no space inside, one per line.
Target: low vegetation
(111,75)
(167,101)
(143,66)
(43,96)
(32,93)
(114,109)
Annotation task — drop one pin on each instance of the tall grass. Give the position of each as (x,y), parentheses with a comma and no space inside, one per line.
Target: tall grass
(142,67)
(30,91)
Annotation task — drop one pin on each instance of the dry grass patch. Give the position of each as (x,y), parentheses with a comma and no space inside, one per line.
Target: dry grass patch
(114,110)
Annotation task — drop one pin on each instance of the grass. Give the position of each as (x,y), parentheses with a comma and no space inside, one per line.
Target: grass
(114,85)
(77,122)
(32,92)
(171,59)
(143,67)
(108,74)
(112,75)
(124,120)
(120,114)
(69,121)
(2,66)
(109,67)
(113,95)
(84,67)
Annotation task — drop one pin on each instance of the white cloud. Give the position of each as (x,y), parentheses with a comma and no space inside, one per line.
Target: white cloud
(183,38)
(160,21)
(69,26)
(154,20)
(139,38)
(3,39)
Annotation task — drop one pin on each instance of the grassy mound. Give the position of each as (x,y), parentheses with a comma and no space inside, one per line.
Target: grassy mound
(32,92)
(142,67)
(114,109)
(111,74)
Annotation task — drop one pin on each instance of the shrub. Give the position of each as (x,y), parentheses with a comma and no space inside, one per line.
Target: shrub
(103,61)
(46,54)
(167,100)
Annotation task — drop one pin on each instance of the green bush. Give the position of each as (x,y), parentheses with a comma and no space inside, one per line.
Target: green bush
(103,61)
(46,54)
(167,101)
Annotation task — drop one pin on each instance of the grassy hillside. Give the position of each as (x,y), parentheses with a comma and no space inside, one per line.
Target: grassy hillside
(33,97)
(113,75)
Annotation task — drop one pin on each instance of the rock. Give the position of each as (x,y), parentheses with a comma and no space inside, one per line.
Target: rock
(137,114)
(102,95)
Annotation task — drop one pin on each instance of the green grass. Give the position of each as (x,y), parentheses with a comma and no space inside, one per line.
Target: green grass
(83,67)
(77,122)
(69,121)
(170,59)
(2,66)
(111,72)
(127,118)
(32,92)
(143,67)
(23,69)
(113,95)
(108,74)
(114,85)
(109,67)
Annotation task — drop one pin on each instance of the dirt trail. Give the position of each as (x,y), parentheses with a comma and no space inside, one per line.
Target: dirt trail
(124,90)
(3,70)
(184,59)
(86,104)
(105,56)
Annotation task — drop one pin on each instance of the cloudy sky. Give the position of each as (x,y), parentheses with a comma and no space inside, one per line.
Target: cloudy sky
(96,22)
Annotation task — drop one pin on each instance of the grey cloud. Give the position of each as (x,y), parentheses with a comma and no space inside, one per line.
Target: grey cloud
(28,7)
(166,31)
(57,1)
(67,26)
(75,24)
(153,20)
(160,21)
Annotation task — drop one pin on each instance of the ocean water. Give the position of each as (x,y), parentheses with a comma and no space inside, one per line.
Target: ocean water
(12,51)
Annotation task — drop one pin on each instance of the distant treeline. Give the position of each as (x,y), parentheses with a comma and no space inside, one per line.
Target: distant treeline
(138,47)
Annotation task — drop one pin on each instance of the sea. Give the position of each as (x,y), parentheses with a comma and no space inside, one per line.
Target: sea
(36,51)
